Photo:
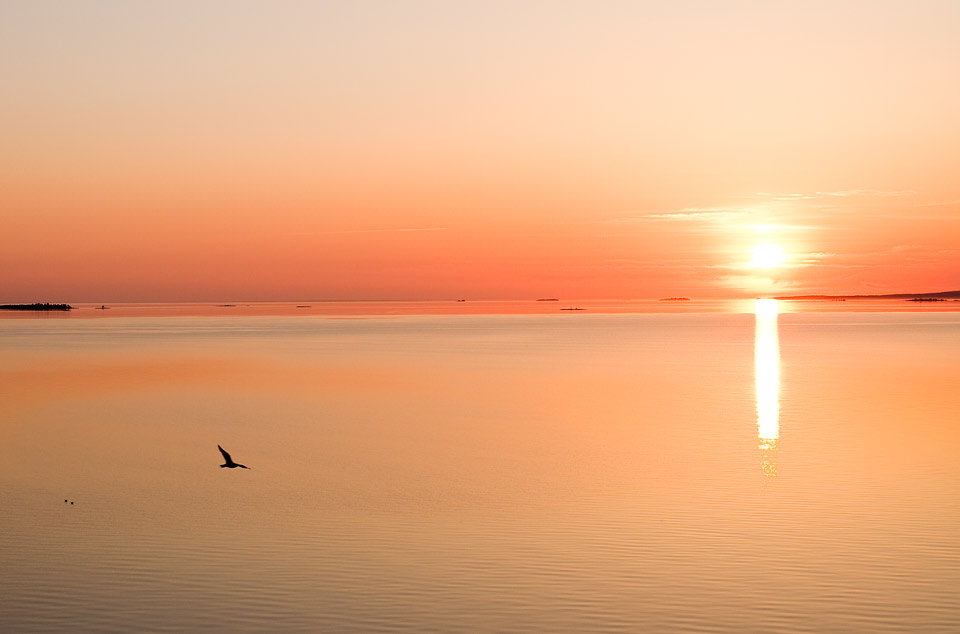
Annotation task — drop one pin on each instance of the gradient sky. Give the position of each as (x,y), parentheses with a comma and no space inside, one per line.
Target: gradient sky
(237,150)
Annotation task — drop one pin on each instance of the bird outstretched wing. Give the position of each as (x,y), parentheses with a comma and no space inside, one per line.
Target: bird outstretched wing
(226,456)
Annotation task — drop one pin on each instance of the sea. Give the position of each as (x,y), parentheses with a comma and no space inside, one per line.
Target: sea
(633,466)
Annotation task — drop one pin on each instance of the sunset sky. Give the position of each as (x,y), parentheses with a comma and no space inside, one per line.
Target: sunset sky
(203,151)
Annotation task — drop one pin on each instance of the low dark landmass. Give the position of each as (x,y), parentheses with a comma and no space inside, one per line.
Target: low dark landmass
(927,299)
(910,296)
(548,299)
(573,309)
(675,299)
(37,306)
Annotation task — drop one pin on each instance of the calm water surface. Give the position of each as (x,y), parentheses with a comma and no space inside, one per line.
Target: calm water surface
(749,467)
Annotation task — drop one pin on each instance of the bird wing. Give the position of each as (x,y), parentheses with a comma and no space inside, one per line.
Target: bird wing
(226,456)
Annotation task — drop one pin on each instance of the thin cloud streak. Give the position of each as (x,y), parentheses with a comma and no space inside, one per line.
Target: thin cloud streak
(777,226)
(939,203)
(710,214)
(324,233)
(868,192)
(843,193)
(713,216)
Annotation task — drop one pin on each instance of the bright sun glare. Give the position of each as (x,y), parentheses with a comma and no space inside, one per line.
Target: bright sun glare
(765,256)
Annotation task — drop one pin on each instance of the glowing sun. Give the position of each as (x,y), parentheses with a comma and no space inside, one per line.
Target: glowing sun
(765,256)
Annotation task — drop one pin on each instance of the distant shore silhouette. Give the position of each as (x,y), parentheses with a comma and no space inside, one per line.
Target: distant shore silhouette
(908,296)
(37,306)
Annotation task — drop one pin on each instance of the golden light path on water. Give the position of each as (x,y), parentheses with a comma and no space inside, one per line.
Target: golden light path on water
(767,377)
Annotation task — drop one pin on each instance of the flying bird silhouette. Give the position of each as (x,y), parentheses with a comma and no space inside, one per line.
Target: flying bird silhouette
(229,463)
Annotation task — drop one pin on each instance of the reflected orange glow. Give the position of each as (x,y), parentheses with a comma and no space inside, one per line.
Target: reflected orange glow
(767,377)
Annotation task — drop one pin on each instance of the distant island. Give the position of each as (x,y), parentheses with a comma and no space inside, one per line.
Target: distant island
(674,299)
(37,306)
(548,299)
(908,296)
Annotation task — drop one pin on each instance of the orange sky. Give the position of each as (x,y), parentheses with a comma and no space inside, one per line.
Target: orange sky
(296,150)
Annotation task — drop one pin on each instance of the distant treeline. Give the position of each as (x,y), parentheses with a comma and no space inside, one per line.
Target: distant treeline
(37,306)
(909,296)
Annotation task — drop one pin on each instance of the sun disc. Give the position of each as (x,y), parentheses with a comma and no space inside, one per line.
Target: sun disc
(765,256)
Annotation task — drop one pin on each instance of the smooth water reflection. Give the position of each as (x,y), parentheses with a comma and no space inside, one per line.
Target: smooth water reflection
(767,377)
(573,472)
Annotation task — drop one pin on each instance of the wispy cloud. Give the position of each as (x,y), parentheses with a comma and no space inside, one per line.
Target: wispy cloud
(324,233)
(786,196)
(868,192)
(767,228)
(711,215)
(687,264)
(940,203)
(899,255)
(756,282)
(815,258)
(842,193)
(708,214)
(760,220)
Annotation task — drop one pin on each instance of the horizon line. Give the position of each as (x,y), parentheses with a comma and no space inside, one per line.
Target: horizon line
(489,299)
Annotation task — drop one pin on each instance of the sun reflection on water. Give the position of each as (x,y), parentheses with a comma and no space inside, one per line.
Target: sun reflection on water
(767,376)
